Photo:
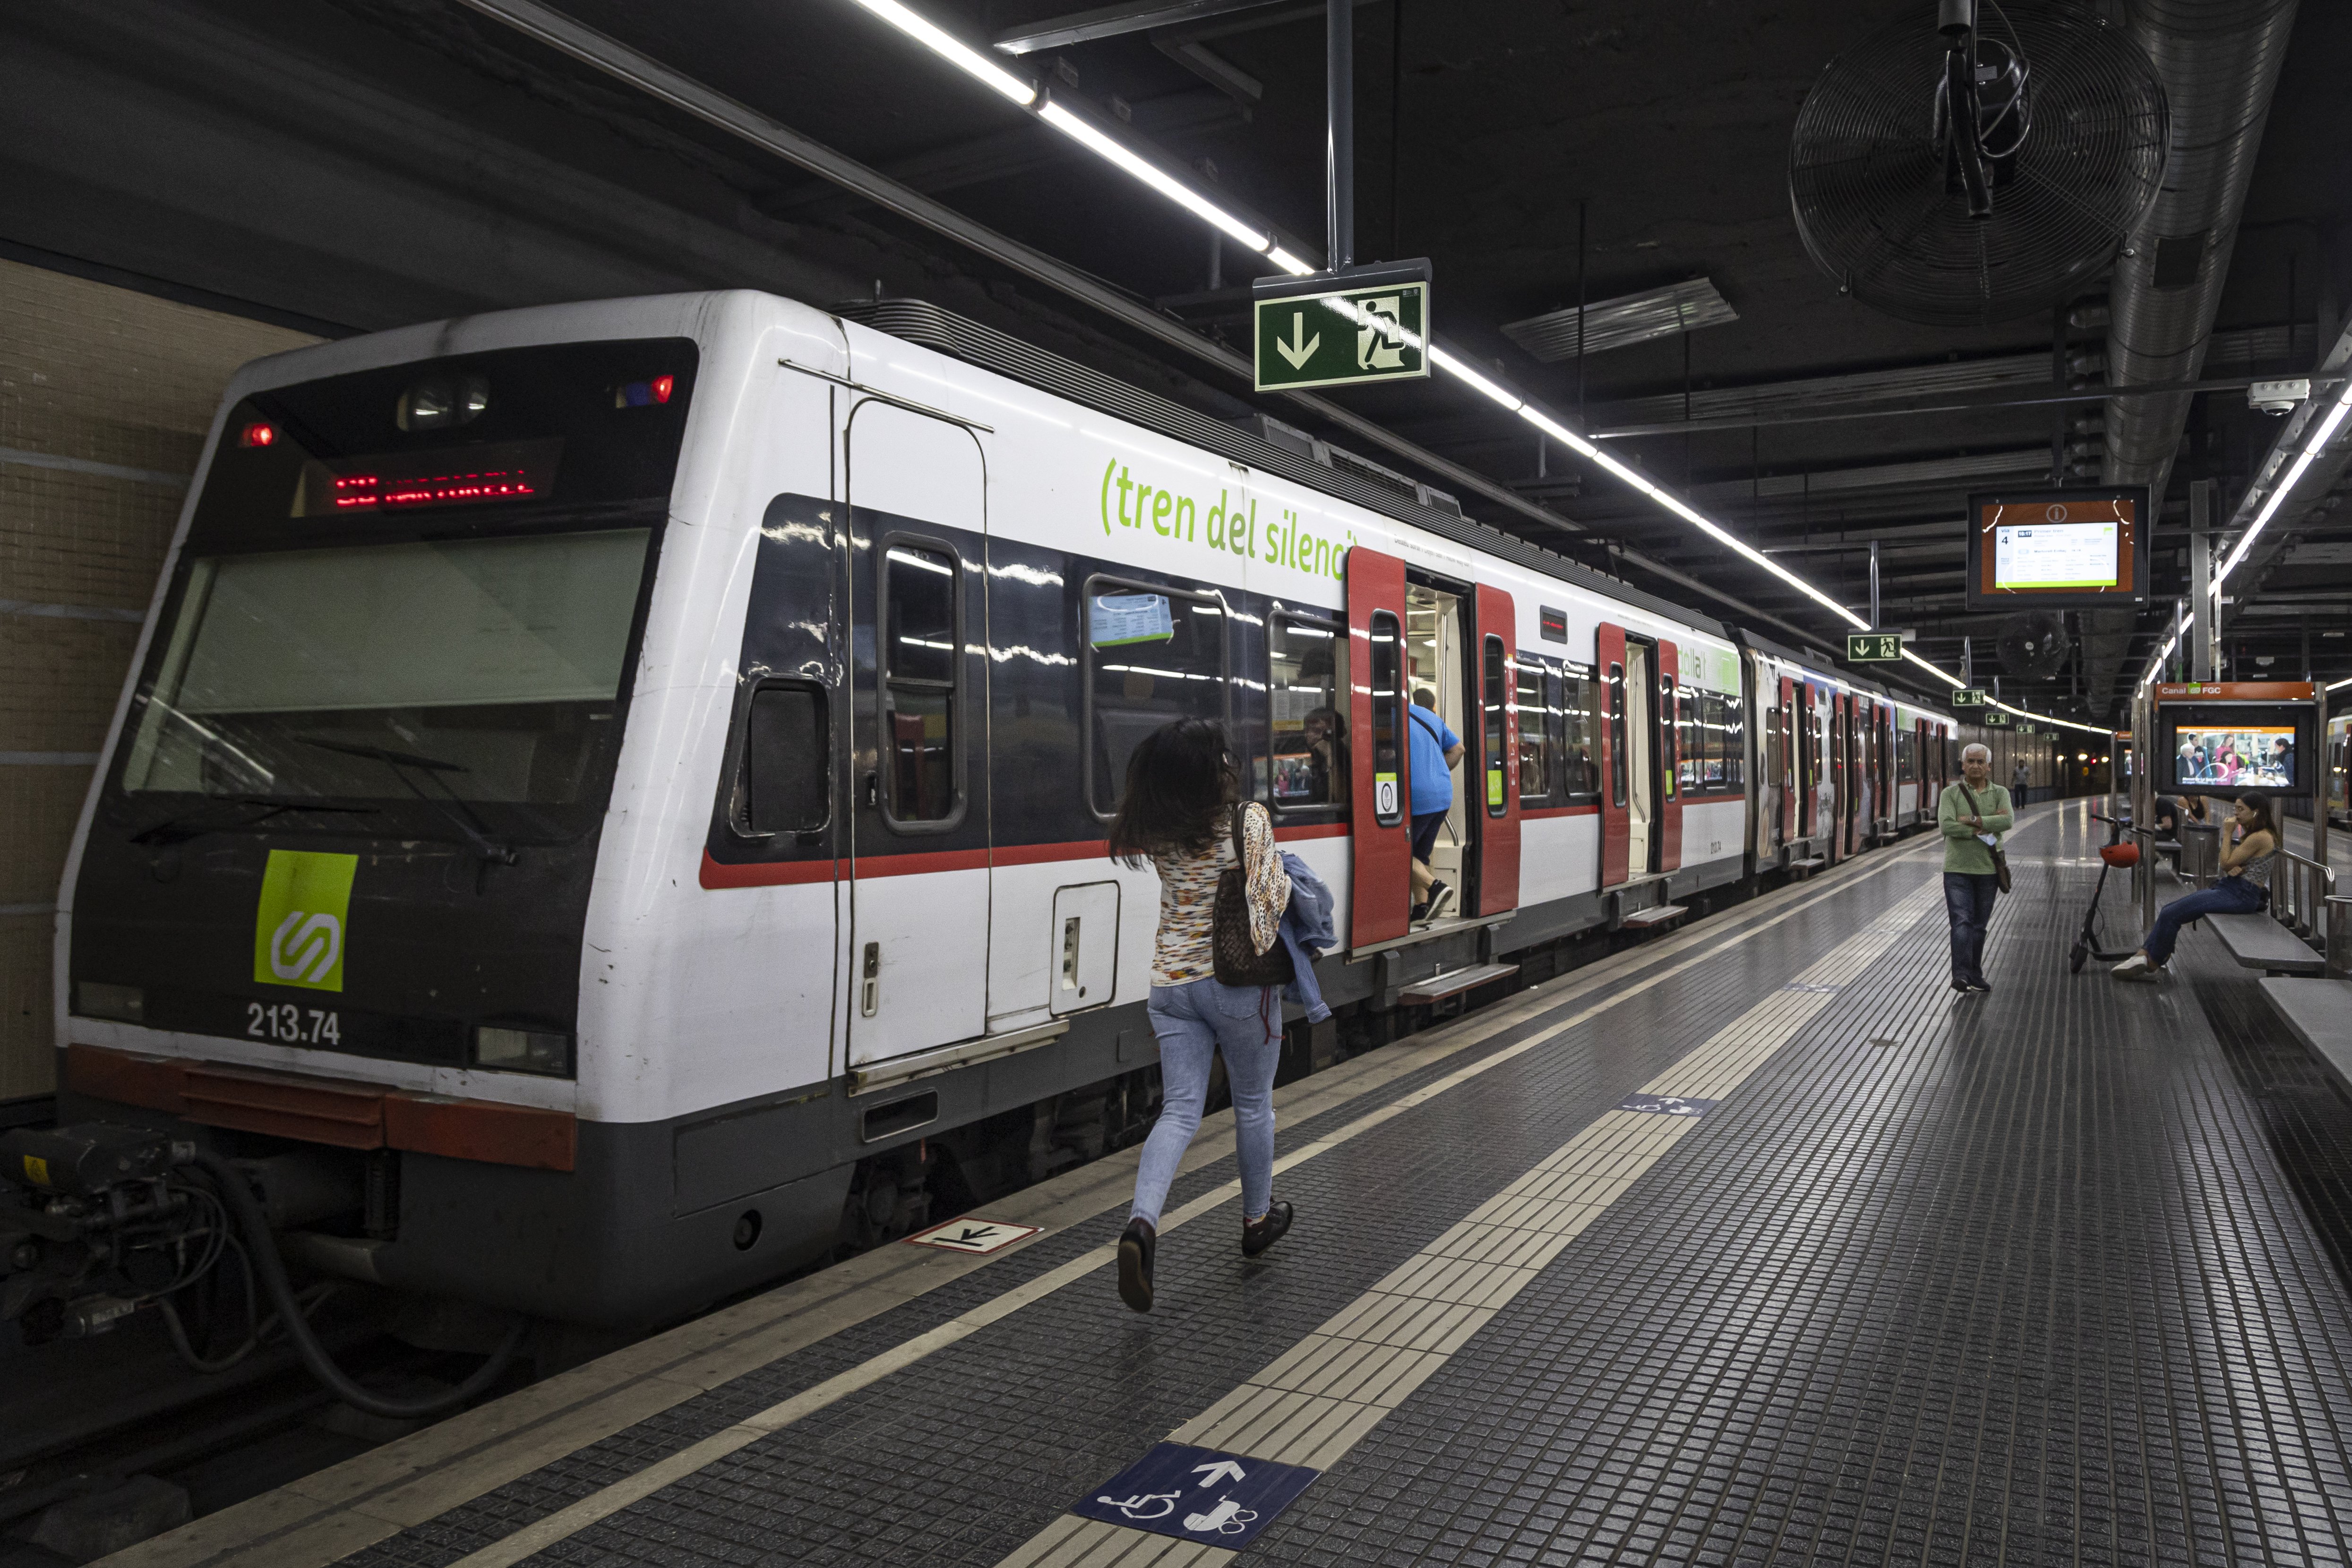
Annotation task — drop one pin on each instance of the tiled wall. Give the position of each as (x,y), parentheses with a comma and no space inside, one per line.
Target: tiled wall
(104,398)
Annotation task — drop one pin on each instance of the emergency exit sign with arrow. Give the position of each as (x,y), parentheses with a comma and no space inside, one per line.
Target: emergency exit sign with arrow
(1348,328)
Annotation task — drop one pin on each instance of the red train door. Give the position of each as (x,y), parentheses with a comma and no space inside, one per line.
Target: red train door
(1616,818)
(1498,751)
(1789,769)
(1840,715)
(1379,901)
(1670,734)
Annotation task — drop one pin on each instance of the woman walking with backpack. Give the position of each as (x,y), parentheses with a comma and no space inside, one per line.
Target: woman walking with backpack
(1183,813)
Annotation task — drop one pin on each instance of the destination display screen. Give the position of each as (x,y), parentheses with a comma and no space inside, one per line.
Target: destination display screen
(2061,549)
(2056,555)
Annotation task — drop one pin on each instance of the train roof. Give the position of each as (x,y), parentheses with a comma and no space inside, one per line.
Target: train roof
(1346,477)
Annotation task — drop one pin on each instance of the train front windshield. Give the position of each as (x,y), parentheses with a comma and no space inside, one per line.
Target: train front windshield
(415,587)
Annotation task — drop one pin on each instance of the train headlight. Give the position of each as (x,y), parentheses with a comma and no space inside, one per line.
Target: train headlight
(124,1004)
(503,1050)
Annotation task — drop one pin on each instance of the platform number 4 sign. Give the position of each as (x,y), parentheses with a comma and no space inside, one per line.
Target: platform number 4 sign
(1873,647)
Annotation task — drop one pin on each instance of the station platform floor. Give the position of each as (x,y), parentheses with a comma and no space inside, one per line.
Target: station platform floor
(1753,1244)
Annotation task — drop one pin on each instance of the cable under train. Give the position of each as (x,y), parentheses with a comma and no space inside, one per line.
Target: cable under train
(609,805)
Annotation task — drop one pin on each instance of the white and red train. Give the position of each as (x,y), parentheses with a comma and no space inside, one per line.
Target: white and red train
(628,781)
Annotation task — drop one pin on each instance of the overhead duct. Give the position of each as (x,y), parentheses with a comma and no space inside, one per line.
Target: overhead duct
(2219,61)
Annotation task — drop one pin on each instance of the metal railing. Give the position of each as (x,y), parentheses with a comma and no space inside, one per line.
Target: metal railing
(2301,895)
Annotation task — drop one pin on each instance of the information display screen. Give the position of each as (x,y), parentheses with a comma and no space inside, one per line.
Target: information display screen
(2054,555)
(2062,549)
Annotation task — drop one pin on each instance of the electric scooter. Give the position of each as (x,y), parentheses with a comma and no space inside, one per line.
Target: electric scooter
(2114,855)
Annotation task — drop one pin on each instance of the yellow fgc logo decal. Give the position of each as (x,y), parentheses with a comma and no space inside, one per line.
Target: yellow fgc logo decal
(298,932)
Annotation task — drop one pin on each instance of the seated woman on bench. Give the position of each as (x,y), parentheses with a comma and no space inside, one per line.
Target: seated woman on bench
(2242,888)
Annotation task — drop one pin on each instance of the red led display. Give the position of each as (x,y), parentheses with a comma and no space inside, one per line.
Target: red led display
(415,481)
(257,434)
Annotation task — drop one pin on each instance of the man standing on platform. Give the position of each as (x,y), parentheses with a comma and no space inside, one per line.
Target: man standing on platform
(1973,814)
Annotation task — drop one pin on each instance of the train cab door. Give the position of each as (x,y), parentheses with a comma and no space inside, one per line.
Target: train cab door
(1380,898)
(918,816)
(1497,801)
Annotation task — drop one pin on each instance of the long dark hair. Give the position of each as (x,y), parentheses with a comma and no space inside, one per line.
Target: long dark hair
(2263,822)
(1180,782)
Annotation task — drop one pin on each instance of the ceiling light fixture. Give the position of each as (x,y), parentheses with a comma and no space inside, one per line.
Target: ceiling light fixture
(975,64)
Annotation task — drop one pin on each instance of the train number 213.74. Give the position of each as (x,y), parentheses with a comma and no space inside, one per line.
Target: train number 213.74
(295,1026)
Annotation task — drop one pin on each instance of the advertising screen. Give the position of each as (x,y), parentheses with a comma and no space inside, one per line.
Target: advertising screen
(2060,550)
(2233,747)
(2235,757)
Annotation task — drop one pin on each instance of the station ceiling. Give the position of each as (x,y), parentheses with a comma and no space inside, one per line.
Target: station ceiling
(355,163)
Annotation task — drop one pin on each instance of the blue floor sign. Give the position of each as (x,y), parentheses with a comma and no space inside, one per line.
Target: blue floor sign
(1667,1104)
(1197,1494)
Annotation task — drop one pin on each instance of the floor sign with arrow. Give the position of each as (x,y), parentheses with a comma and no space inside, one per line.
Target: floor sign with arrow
(1197,1494)
(973,1234)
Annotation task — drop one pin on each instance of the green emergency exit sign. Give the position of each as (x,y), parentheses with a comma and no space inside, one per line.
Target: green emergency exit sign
(1873,647)
(1969,697)
(1345,329)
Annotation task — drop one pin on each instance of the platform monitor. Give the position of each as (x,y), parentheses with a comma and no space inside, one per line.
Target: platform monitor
(2233,747)
(2062,549)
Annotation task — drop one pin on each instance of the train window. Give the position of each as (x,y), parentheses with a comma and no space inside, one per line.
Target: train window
(1153,656)
(1307,684)
(1539,734)
(1617,735)
(1734,739)
(1714,762)
(1690,739)
(1495,708)
(1578,716)
(1388,718)
(1906,757)
(782,779)
(922,637)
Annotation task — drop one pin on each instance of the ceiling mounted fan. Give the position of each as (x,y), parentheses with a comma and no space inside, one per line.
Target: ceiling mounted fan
(1975,161)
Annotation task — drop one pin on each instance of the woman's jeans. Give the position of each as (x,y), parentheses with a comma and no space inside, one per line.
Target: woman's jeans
(2229,895)
(1192,1021)
(1968,900)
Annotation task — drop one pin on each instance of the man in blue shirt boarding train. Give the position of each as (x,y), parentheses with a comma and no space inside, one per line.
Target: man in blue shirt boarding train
(1435,749)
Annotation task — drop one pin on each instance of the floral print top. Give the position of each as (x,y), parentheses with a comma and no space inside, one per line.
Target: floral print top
(1185,949)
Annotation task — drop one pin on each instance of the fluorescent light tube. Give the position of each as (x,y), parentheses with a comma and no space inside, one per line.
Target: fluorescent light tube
(953,50)
(1175,190)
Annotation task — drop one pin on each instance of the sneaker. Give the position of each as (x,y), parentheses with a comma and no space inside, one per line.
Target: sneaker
(1135,1248)
(1259,1235)
(1419,912)
(1981,984)
(1440,899)
(2131,968)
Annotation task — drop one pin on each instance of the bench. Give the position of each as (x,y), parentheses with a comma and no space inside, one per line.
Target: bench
(2259,942)
(2319,1014)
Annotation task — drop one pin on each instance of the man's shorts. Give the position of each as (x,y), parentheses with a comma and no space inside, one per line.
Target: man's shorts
(1424,834)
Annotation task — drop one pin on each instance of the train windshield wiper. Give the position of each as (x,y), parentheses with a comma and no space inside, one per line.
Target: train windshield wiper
(194,824)
(453,811)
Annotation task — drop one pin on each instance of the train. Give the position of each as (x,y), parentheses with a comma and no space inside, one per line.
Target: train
(609,805)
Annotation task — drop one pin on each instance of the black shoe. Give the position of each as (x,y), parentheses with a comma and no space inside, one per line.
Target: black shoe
(1960,985)
(1135,1247)
(1981,984)
(1259,1235)
(1441,897)
(1419,912)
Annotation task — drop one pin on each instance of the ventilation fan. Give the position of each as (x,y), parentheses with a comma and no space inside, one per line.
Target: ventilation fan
(1960,168)
(2034,645)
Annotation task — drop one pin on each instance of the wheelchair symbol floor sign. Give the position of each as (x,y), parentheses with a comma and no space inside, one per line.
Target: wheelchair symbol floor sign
(1197,1494)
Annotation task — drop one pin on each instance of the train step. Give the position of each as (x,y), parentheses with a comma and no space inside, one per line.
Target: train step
(1453,982)
(1660,915)
(1807,867)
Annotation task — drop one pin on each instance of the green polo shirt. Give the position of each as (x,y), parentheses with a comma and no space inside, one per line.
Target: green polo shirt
(1963,850)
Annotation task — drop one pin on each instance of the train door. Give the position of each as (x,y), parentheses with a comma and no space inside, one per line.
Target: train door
(1499,753)
(1641,759)
(920,871)
(1840,791)
(1670,760)
(1441,678)
(1789,768)
(1380,899)
(1616,798)
(1865,758)
(1808,720)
